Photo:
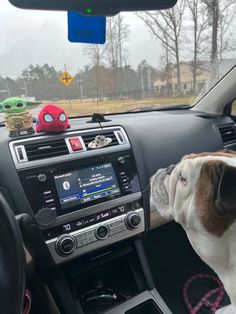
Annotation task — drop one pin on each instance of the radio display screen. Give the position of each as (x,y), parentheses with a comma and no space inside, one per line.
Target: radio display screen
(86,185)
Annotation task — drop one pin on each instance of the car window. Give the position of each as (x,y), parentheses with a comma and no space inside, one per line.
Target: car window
(150,59)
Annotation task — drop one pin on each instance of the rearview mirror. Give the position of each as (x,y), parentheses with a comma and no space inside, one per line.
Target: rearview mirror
(95,7)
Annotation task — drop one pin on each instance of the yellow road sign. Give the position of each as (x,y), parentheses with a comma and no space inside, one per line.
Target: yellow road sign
(66,78)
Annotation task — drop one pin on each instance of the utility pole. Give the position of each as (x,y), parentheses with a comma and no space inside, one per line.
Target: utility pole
(80,82)
(8,89)
(68,93)
(25,88)
(81,88)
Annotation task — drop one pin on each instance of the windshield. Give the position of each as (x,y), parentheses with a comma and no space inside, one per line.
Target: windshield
(150,59)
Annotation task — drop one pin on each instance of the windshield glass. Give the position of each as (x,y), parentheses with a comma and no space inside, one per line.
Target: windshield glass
(150,59)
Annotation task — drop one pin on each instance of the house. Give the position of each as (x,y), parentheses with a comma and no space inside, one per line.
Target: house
(207,76)
(167,84)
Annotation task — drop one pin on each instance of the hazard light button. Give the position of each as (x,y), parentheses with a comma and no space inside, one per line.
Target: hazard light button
(75,144)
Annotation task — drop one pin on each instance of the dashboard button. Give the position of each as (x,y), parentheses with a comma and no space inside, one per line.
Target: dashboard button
(102,232)
(126,187)
(89,234)
(81,242)
(121,160)
(42,177)
(91,239)
(75,144)
(80,236)
(114,231)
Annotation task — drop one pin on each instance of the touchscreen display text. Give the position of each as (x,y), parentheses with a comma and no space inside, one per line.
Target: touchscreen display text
(86,185)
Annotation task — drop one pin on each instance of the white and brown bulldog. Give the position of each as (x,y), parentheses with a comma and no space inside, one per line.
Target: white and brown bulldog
(200,194)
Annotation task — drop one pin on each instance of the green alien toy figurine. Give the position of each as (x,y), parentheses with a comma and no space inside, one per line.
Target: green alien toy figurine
(18,119)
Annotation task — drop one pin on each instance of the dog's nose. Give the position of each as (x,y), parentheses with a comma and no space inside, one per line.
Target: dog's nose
(170,169)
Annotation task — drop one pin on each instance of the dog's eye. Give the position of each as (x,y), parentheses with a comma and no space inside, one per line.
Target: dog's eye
(182,178)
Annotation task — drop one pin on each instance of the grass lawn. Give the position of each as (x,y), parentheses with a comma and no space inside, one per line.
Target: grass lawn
(86,107)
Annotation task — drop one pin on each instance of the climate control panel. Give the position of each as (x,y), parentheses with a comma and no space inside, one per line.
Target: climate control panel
(98,235)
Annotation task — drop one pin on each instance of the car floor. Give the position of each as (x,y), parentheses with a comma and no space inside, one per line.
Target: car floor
(173,261)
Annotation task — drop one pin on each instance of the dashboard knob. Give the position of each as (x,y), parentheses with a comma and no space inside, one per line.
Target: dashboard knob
(65,245)
(42,177)
(133,220)
(102,232)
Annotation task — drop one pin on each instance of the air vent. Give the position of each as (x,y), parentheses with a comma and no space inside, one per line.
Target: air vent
(46,149)
(228,133)
(41,150)
(89,138)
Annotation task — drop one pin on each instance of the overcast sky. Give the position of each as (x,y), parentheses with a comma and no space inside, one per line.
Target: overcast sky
(38,37)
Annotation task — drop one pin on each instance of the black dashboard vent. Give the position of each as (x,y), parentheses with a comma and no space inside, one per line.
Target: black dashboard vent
(46,149)
(89,138)
(228,133)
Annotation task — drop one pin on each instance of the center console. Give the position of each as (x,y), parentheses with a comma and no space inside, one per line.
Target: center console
(84,199)
(86,202)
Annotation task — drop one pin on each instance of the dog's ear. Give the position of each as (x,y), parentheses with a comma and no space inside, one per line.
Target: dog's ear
(225,200)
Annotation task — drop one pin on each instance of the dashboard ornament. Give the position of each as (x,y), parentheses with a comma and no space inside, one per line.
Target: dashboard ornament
(18,119)
(98,118)
(100,141)
(52,119)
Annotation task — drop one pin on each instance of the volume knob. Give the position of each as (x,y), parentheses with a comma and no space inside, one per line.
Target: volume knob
(65,245)
(42,177)
(133,220)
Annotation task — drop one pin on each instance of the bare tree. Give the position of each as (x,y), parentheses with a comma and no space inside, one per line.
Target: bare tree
(227,14)
(112,46)
(166,70)
(200,24)
(166,26)
(123,36)
(212,7)
(220,15)
(117,36)
(96,53)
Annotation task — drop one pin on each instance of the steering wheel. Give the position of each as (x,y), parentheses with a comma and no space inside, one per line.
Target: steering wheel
(12,262)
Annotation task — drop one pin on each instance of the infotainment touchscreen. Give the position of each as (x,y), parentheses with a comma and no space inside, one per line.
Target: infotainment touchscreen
(86,185)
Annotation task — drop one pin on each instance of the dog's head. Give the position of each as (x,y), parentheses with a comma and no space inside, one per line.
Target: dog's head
(199,192)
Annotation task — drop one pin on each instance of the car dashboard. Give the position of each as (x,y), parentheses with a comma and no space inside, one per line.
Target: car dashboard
(35,170)
(82,200)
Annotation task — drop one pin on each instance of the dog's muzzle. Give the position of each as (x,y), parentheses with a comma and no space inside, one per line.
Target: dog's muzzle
(159,191)
(170,169)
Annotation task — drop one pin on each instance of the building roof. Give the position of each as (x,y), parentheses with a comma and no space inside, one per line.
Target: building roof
(204,70)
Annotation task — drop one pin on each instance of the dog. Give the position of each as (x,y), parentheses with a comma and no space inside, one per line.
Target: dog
(200,194)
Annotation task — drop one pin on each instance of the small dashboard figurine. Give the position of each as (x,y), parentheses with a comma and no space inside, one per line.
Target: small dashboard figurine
(100,141)
(52,119)
(18,119)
